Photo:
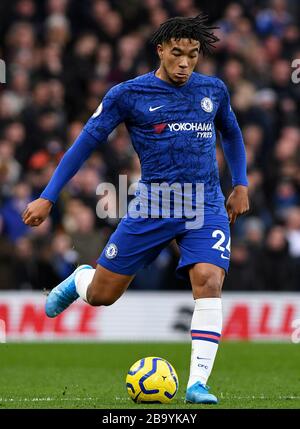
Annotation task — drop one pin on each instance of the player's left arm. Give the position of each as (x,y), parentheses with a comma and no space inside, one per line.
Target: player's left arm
(235,155)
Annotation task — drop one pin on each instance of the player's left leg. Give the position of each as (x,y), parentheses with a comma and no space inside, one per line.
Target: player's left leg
(207,280)
(205,255)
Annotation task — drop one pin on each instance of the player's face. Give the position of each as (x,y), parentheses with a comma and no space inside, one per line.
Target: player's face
(178,59)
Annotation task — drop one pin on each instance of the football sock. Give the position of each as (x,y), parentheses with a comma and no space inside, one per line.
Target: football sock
(206,332)
(83,279)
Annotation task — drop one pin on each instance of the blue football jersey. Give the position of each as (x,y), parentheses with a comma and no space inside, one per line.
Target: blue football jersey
(172,129)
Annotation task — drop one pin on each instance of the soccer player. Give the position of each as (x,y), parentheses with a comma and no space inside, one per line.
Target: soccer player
(172,115)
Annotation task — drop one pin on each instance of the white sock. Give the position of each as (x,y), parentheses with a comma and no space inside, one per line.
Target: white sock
(83,279)
(206,330)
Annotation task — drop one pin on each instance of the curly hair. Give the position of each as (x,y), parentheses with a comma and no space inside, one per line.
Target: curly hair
(195,28)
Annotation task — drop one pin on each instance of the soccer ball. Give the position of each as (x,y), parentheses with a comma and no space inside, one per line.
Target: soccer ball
(152,380)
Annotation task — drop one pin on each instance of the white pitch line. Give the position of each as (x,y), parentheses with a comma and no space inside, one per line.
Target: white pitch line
(227,396)
(46,399)
(222,396)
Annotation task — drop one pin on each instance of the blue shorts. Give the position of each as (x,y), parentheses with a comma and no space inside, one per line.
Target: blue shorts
(137,242)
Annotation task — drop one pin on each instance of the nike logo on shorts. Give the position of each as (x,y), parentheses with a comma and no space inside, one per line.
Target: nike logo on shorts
(224,257)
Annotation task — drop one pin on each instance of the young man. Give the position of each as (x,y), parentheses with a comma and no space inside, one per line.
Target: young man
(171,115)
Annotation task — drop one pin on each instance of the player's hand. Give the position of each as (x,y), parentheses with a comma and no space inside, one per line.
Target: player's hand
(237,202)
(36,212)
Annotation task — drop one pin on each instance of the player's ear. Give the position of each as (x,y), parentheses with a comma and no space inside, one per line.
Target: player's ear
(159,49)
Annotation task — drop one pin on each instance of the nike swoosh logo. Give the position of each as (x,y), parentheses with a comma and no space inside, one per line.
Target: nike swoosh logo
(151,109)
(203,358)
(224,257)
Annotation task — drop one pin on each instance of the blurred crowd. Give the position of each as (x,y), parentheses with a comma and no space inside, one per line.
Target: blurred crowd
(61,58)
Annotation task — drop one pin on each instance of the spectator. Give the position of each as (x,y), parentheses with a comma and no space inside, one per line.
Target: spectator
(275,265)
(11,222)
(242,273)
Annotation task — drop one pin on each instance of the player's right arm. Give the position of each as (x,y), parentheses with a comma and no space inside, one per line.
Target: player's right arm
(109,114)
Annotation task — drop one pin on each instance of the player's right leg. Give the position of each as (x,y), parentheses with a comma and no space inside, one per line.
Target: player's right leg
(102,287)
(95,286)
(134,244)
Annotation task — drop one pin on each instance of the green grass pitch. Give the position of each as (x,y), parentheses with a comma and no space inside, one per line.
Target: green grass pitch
(86,375)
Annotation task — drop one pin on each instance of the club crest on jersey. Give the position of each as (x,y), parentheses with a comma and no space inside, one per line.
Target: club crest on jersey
(111,251)
(207,104)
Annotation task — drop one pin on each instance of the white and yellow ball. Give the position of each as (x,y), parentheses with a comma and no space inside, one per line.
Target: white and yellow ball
(152,380)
